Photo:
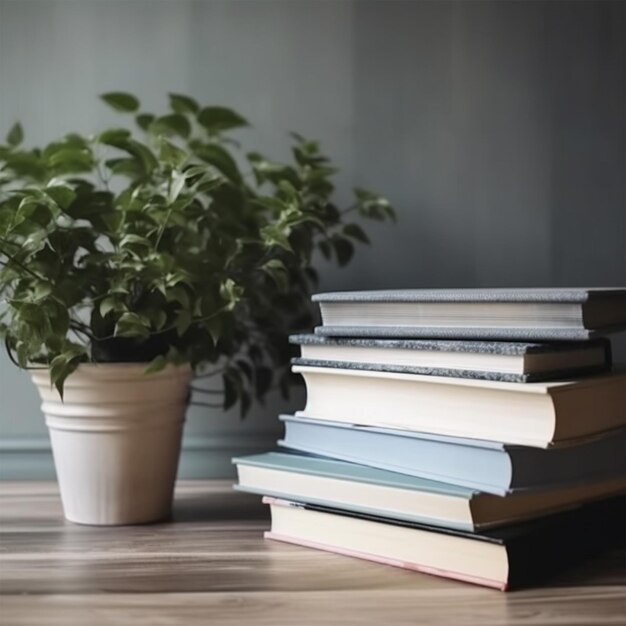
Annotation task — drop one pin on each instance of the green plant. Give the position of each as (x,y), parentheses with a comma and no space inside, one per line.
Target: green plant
(170,248)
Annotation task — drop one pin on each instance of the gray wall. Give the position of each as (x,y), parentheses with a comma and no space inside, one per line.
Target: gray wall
(496,128)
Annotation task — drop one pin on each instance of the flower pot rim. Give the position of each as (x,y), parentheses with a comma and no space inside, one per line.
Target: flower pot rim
(134,372)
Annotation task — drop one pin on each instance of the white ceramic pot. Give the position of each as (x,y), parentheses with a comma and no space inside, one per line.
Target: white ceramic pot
(116,440)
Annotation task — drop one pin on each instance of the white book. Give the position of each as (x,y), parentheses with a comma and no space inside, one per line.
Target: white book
(533,414)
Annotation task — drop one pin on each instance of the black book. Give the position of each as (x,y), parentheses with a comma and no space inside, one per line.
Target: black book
(505,558)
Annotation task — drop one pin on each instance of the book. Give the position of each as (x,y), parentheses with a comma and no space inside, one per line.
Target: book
(360,489)
(504,558)
(508,314)
(489,466)
(487,360)
(534,414)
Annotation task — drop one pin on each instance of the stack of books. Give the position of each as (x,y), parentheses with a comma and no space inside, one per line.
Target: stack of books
(472,434)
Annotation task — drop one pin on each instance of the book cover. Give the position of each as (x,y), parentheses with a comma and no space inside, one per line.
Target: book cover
(574,295)
(574,358)
(486,466)
(351,487)
(536,414)
(532,550)
(490,314)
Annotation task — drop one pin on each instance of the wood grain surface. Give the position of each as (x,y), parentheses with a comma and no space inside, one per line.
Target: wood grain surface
(211,565)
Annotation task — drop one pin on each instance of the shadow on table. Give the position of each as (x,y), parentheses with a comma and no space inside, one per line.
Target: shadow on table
(223,504)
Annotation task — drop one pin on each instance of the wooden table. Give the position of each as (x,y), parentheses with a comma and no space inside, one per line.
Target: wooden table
(212,566)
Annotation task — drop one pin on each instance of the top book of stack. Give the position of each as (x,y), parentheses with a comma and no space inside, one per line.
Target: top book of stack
(554,314)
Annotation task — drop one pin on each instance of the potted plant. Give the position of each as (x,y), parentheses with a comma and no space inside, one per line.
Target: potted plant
(127,264)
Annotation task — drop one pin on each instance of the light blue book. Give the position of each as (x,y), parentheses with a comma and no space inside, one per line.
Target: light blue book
(486,466)
(366,490)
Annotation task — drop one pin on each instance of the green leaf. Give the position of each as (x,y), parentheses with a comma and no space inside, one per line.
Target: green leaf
(63,196)
(27,164)
(364,195)
(71,160)
(172,124)
(209,183)
(231,292)
(246,368)
(42,290)
(245,401)
(35,241)
(178,294)
(15,135)
(325,249)
(127,167)
(265,169)
(121,101)
(356,232)
(64,364)
(172,154)
(58,320)
(159,318)
(276,269)
(343,249)
(131,240)
(156,365)
(22,354)
(177,184)
(214,326)
(275,235)
(113,136)
(183,104)
(218,119)
(132,325)
(143,155)
(144,120)
(372,206)
(275,205)
(110,304)
(231,392)
(183,322)
(219,158)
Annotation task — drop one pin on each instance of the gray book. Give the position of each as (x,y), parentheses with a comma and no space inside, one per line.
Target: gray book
(520,362)
(495,314)
(483,465)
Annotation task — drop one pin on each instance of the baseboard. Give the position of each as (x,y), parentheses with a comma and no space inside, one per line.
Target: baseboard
(30,458)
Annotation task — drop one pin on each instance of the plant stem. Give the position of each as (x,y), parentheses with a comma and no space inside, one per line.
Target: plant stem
(8,241)
(14,361)
(21,265)
(83,329)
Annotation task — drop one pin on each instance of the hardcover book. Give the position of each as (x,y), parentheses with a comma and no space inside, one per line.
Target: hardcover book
(506,314)
(487,360)
(533,414)
(487,466)
(504,558)
(361,489)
